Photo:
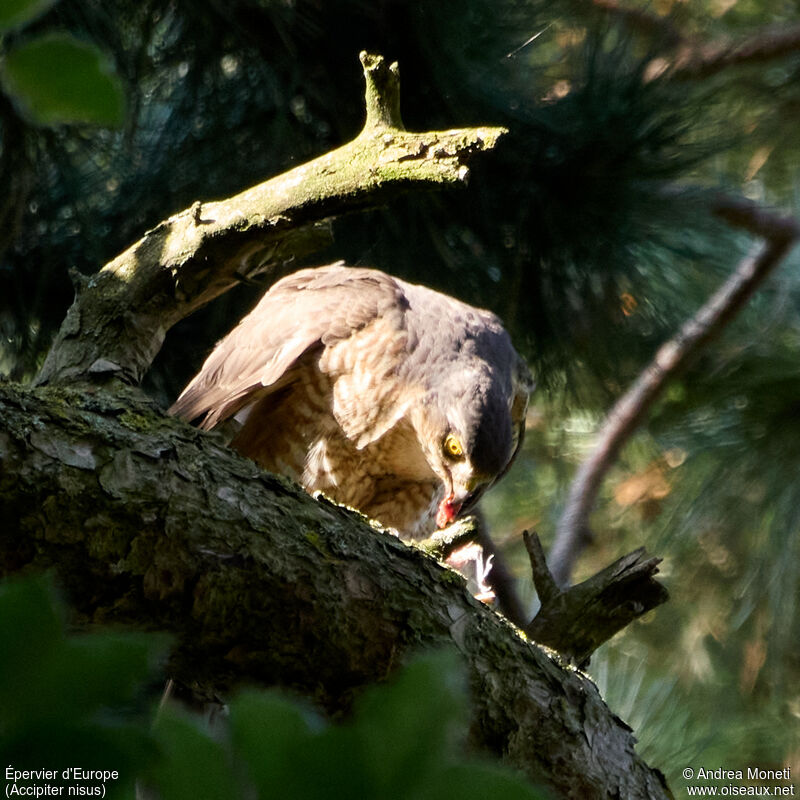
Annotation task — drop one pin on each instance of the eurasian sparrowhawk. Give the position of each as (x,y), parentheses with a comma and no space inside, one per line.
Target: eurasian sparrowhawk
(386,396)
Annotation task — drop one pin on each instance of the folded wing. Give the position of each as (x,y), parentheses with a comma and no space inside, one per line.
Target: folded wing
(307,314)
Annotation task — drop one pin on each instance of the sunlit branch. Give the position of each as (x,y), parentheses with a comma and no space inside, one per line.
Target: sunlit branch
(120,316)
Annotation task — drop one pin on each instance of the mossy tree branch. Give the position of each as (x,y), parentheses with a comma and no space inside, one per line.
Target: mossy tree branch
(148,521)
(120,316)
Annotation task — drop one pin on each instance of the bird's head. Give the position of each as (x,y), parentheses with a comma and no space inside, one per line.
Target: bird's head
(467,436)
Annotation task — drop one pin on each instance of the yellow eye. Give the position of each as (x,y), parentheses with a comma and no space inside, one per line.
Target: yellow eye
(452,447)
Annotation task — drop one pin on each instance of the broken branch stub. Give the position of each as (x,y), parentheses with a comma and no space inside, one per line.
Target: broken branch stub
(577,620)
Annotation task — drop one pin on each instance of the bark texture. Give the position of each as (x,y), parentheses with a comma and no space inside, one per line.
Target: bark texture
(577,620)
(148,521)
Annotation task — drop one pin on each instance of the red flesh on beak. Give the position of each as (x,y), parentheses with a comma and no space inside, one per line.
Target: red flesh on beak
(448,511)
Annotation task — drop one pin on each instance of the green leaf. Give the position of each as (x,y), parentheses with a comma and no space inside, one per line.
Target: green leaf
(114,746)
(118,666)
(337,768)
(290,752)
(74,676)
(193,765)
(15,13)
(30,630)
(411,725)
(56,78)
(477,782)
(67,701)
(270,732)
(404,741)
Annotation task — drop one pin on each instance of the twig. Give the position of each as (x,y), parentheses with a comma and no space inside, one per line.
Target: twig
(694,58)
(543,581)
(501,579)
(781,232)
(739,212)
(702,60)
(529,40)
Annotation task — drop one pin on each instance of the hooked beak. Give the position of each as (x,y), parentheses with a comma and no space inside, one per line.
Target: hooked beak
(458,502)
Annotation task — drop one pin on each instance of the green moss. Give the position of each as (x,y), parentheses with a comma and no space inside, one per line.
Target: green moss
(451,578)
(136,422)
(317,542)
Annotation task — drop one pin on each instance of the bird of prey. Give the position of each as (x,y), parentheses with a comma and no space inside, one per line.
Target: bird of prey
(386,396)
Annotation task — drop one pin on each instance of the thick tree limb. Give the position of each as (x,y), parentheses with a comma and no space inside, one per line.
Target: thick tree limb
(120,316)
(781,232)
(145,518)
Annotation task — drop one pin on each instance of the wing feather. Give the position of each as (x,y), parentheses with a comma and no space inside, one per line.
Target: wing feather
(311,310)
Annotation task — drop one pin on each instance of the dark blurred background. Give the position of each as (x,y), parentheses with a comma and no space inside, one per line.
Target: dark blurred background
(588,231)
